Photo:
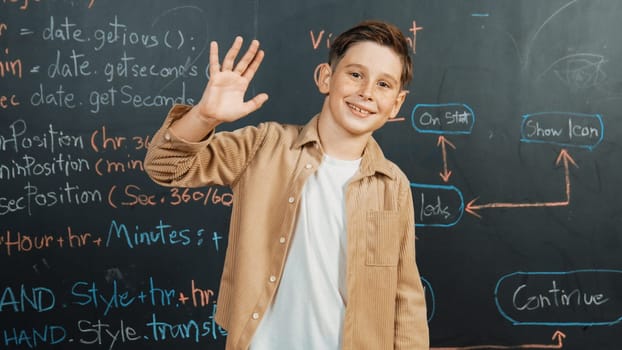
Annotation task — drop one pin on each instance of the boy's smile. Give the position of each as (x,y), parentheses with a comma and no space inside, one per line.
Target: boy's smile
(361,111)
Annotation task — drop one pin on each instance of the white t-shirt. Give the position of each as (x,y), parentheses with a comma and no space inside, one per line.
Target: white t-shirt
(309,306)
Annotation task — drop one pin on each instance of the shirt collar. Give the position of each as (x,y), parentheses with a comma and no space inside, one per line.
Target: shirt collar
(373,159)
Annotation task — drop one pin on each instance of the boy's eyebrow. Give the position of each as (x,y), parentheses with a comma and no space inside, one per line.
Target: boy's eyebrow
(386,75)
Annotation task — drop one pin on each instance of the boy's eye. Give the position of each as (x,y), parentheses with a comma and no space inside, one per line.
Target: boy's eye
(355,74)
(384,84)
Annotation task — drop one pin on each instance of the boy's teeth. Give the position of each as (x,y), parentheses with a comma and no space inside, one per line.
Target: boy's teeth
(358,109)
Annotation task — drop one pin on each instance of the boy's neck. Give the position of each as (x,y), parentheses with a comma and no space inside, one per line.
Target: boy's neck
(340,145)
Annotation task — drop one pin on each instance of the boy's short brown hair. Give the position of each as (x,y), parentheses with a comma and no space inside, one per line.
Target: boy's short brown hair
(382,33)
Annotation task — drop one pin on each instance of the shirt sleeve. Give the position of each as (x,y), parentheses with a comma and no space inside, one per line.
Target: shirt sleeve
(219,159)
(411,326)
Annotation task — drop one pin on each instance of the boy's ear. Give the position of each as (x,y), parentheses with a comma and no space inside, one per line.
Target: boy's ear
(399,100)
(322,76)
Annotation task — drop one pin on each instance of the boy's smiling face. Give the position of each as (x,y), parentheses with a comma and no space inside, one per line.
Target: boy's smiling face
(364,89)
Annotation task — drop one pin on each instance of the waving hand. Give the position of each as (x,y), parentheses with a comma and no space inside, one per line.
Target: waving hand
(223,98)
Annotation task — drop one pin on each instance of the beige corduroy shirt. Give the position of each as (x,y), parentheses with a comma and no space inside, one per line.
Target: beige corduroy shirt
(266,167)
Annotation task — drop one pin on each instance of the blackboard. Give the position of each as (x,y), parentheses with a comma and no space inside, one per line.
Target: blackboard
(509,136)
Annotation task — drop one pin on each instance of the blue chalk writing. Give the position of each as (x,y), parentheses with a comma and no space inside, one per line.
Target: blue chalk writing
(39,299)
(162,235)
(90,294)
(32,337)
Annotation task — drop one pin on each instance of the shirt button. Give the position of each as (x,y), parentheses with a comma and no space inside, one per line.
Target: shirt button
(308,166)
(272,278)
(255,315)
(291,199)
(282,240)
(167,137)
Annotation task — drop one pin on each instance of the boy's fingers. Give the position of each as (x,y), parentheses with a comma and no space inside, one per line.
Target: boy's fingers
(249,73)
(248,57)
(214,66)
(227,62)
(255,103)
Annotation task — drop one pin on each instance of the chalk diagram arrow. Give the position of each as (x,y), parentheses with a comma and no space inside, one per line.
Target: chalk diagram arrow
(563,157)
(443,143)
(558,339)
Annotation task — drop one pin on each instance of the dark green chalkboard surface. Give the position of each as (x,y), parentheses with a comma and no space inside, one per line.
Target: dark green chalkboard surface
(510,137)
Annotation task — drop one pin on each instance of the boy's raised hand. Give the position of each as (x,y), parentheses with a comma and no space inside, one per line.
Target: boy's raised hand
(223,98)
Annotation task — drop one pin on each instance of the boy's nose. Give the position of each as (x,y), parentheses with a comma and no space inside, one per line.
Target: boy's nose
(366,91)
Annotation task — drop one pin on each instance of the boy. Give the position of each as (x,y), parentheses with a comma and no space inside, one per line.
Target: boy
(321,251)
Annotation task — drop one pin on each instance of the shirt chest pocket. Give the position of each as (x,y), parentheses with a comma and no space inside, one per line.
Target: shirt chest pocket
(382,235)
